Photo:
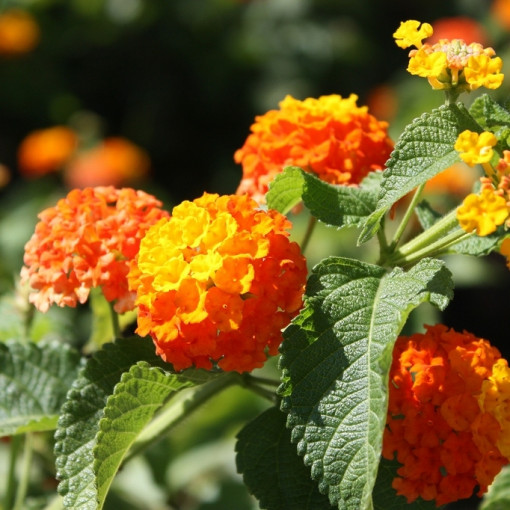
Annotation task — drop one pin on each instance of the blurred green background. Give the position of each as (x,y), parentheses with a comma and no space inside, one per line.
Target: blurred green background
(183,80)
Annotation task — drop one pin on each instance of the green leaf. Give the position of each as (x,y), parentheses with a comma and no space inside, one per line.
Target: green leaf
(137,397)
(335,359)
(334,205)
(102,327)
(498,496)
(34,379)
(82,411)
(271,467)
(341,205)
(385,497)
(489,114)
(286,189)
(424,149)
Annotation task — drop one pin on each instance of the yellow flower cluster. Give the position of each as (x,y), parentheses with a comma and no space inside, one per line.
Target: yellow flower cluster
(217,282)
(449,64)
(486,211)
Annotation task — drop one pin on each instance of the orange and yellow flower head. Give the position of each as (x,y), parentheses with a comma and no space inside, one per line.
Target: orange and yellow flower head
(448,419)
(86,241)
(330,136)
(217,282)
(449,64)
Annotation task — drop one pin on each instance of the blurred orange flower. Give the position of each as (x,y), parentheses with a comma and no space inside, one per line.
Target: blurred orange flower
(46,150)
(457,179)
(5,176)
(19,32)
(458,27)
(500,11)
(114,162)
(217,282)
(443,422)
(85,241)
(330,136)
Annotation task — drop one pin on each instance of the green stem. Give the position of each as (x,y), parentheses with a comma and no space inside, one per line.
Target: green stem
(115,321)
(179,408)
(308,234)
(249,378)
(451,96)
(406,218)
(15,448)
(21,491)
(381,236)
(434,249)
(431,235)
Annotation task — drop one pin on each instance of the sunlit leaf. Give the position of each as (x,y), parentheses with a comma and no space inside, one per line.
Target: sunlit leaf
(286,190)
(335,359)
(425,148)
(334,205)
(136,398)
(81,413)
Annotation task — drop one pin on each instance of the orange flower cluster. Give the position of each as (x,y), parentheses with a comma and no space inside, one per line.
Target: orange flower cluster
(330,136)
(85,241)
(442,421)
(217,282)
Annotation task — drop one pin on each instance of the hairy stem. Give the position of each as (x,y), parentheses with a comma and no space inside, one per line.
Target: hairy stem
(21,491)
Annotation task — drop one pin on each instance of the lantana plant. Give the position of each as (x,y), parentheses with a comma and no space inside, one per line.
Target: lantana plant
(362,416)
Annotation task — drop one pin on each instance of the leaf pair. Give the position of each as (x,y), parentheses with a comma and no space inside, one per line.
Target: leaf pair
(114,397)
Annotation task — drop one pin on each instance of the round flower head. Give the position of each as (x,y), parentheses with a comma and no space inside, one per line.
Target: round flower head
(449,64)
(330,136)
(448,415)
(217,282)
(85,241)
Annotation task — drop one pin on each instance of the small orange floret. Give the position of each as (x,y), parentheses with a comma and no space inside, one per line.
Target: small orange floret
(330,136)
(447,415)
(217,282)
(85,241)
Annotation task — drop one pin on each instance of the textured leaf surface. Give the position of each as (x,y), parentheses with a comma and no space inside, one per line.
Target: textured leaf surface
(424,149)
(385,497)
(286,190)
(34,379)
(136,398)
(498,497)
(335,359)
(334,205)
(271,467)
(489,114)
(341,205)
(82,411)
